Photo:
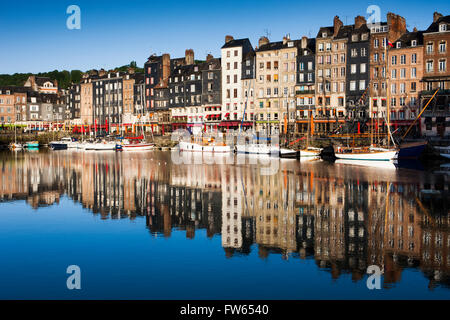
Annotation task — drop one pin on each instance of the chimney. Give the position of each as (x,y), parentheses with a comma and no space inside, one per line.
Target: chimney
(436,16)
(415,29)
(337,24)
(166,65)
(189,56)
(228,39)
(263,41)
(285,39)
(209,57)
(304,42)
(396,26)
(359,21)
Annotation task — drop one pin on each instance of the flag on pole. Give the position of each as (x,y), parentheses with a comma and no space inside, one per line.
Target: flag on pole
(390,44)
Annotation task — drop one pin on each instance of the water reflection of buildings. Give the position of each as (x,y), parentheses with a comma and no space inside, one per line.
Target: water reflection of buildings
(344,218)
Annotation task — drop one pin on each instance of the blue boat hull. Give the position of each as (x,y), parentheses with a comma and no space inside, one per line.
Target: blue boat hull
(58,146)
(412,150)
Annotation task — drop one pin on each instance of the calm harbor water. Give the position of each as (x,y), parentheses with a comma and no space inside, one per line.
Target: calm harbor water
(140,226)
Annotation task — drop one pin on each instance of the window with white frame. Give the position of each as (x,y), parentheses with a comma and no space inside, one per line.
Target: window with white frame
(429,66)
(442,65)
(363,68)
(362,84)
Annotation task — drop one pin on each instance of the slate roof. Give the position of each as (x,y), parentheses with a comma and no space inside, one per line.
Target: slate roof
(406,39)
(236,43)
(434,27)
(278,45)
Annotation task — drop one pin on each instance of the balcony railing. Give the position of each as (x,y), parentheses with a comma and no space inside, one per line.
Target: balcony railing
(305,91)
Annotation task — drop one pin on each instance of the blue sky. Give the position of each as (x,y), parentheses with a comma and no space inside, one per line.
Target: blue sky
(34,36)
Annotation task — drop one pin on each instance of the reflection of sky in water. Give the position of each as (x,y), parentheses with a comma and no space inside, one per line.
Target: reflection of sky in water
(121,258)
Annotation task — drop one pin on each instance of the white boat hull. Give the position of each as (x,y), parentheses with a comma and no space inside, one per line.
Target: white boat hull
(309,154)
(257,149)
(104,146)
(194,147)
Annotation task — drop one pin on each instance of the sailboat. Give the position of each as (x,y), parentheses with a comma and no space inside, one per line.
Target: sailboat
(309,152)
(373,153)
(15,145)
(136,143)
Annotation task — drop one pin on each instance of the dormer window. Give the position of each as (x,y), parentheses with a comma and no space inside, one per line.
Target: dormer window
(442,27)
(399,45)
(355,37)
(413,43)
(290,44)
(324,34)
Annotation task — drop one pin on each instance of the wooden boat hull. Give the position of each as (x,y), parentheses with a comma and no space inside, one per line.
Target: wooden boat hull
(368,156)
(137,147)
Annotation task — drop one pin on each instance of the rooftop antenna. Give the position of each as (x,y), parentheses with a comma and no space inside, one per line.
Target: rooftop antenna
(267,32)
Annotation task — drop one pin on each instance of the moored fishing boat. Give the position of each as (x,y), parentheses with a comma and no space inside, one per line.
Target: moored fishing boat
(103,145)
(133,144)
(15,146)
(63,144)
(32,144)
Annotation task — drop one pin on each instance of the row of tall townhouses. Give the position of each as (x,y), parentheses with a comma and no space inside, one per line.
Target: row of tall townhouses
(349,78)
(436,74)
(20,104)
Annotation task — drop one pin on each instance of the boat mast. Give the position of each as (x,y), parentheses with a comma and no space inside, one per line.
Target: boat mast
(388,116)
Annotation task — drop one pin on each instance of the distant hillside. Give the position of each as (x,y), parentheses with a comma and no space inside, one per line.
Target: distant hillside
(64,77)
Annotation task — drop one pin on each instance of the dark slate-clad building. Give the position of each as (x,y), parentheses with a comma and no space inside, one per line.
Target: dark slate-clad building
(211,92)
(107,97)
(153,72)
(74,101)
(357,99)
(139,93)
(305,86)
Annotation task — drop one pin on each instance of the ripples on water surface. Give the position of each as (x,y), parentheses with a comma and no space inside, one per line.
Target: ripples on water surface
(140,226)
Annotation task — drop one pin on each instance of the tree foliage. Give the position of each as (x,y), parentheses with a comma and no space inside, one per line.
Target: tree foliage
(65,78)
